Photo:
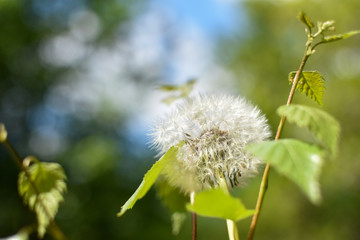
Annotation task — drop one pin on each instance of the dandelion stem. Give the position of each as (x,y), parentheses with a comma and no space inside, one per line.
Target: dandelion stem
(194,220)
(264,181)
(232,230)
(231,224)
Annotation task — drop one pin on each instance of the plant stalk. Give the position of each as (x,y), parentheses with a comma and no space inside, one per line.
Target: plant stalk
(232,230)
(231,224)
(193,215)
(264,181)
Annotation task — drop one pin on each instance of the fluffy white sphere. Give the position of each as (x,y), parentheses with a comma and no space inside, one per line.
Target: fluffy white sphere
(216,130)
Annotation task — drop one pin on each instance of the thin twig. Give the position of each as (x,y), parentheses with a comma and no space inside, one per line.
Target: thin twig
(194,226)
(264,181)
(193,215)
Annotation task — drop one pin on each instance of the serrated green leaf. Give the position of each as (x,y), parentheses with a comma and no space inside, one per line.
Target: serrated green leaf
(172,198)
(325,127)
(311,83)
(49,181)
(217,203)
(150,178)
(337,37)
(304,19)
(297,160)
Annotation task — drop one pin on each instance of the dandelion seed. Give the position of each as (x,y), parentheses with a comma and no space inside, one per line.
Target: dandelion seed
(216,131)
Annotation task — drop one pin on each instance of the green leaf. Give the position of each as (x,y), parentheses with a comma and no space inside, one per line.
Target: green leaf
(217,203)
(172,198)
(168,88)
(333,38)
(311,83)
(297,160)
(303,18)
(183,91)
(325,127)
(150,178)
(169,100)
(328,25)
(49,182)
(186,88)
(3,133)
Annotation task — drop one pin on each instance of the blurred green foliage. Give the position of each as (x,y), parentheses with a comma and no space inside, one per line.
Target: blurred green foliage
(103,165)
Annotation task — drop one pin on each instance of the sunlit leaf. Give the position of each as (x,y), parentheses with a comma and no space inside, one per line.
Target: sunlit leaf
(303,18)
(180,91)
(337,37)
(320,123)
(311,83)
(217,203)
(297,160)
(150,178)
(49,182)
(328,25)
(185,88)
(3,133)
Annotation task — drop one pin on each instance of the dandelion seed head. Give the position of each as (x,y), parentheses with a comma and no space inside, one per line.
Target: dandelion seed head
(216,131)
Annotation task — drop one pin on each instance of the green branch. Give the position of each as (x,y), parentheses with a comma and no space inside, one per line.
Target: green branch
(322,29)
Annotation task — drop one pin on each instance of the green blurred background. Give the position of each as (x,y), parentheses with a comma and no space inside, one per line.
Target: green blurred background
(78,86)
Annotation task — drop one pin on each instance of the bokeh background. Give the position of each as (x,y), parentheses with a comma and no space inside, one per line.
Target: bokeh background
(79,86)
